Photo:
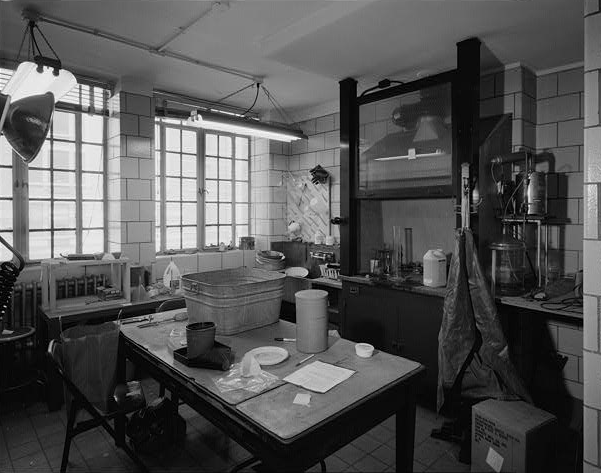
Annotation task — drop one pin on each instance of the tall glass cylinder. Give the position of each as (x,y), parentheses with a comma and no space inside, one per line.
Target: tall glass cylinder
(409,245)
(397,250)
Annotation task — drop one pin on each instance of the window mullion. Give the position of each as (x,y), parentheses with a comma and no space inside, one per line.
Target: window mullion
(20,205)
(78,192)
(105,165)
(233,203)
(163,192)
(201,195)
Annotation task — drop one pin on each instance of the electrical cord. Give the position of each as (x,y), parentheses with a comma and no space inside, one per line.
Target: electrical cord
(9,273)
(254,102)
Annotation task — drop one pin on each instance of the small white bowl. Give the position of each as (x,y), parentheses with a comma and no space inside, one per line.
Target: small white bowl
(364,350)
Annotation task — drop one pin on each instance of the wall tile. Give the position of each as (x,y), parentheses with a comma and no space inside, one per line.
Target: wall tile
(130,211)
(138,232)
(138,104)
(592,379)
(591,215)
(570,370)
(591,105)
(592,267)
(546,86)
(299,146)
(569,341)
(232,259)
(147,209)
(591,323)
(138,189)
(509,81)
(574,183)
(131,251)
(307,160)
(139,147)
(316,142)
(592,45)
(570,81)
(147,253)
(591,6)
(570,133)
(325,158)
(146,127)
(128,124)
(588,468)
(209,261)
(128,167)
(592,157)
(324,124)
(591,435)
(555,109)
(546,136)
(146,168)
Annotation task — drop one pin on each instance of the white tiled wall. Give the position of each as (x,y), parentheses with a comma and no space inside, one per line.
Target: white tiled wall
(202,262)
(131,176)
(592,243)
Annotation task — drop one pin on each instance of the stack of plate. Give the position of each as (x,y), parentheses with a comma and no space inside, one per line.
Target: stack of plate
(270,260)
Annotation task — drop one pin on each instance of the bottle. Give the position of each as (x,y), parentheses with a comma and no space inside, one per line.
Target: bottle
(171,277)
(435,268)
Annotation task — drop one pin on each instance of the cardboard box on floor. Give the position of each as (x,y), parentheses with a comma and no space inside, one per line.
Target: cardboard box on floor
(512,436)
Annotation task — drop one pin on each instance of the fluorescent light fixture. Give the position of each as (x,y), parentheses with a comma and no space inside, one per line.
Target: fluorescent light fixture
(28,80)
(412,155)
(243,126)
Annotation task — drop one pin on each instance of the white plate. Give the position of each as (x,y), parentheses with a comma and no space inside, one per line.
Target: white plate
(297,271)
(267,356)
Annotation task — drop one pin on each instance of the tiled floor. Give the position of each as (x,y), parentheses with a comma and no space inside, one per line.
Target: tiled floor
(31,439)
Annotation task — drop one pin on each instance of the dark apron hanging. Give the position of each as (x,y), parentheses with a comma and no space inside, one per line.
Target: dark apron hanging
(473,356)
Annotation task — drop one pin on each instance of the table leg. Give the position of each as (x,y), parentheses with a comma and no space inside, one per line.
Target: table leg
(54,384)
(120,419)
(405,433)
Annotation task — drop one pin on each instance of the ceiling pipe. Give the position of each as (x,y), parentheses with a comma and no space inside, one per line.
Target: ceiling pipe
(215,7)
(29,14)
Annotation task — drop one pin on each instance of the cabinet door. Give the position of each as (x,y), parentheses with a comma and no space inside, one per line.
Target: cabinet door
(419,323)
(369,315)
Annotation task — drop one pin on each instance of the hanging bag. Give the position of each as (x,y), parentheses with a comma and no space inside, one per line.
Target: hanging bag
(90,361)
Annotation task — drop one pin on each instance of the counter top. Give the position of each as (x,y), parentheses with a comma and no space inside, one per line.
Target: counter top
(409,286)
(555,306)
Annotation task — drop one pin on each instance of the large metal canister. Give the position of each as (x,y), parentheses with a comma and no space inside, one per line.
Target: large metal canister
(532,198)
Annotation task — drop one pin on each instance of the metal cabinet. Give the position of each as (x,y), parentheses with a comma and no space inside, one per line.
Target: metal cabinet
(398,322)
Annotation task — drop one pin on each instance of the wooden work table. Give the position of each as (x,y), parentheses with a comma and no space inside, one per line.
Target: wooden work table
(283,435)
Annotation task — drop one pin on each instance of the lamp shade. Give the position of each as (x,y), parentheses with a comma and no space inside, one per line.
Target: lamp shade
(27,80)
(27,123)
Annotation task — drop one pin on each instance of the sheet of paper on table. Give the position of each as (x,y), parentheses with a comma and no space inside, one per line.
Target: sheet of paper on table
(319,377)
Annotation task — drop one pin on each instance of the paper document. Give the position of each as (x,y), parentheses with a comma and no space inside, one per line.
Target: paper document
(318,376)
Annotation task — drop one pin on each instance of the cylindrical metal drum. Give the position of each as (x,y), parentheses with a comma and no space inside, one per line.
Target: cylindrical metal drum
(537,193)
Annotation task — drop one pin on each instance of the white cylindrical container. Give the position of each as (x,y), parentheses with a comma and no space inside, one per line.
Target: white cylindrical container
(311,321)
(435,268)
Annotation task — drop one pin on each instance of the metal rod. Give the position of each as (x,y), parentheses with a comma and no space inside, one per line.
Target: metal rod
(538,254)
(139,45)
(182,29)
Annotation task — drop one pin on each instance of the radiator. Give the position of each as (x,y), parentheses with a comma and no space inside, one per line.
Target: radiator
(27,297)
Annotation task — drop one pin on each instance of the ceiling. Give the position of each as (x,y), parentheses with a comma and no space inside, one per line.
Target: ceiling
(301,49)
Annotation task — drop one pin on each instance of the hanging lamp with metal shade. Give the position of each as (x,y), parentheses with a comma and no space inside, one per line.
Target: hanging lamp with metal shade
(27,124)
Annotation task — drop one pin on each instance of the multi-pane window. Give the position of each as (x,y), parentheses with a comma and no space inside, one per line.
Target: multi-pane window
(190,213)
(177,175)
(62,209)
(6,197)
(226,188)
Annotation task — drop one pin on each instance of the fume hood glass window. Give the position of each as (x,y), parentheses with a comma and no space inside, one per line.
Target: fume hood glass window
(406,141)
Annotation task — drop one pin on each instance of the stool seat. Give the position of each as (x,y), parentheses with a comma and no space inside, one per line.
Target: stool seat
(12,335)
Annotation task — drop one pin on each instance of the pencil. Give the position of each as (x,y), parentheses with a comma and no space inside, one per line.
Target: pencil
(305,359)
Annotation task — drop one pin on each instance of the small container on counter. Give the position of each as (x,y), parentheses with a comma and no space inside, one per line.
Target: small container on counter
(435,268)
(311,320)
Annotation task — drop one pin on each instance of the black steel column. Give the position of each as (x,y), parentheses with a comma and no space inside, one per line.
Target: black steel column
(349,140)
(466,110)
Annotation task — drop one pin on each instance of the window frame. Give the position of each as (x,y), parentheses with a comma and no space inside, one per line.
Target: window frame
(84,98)
(162,123)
